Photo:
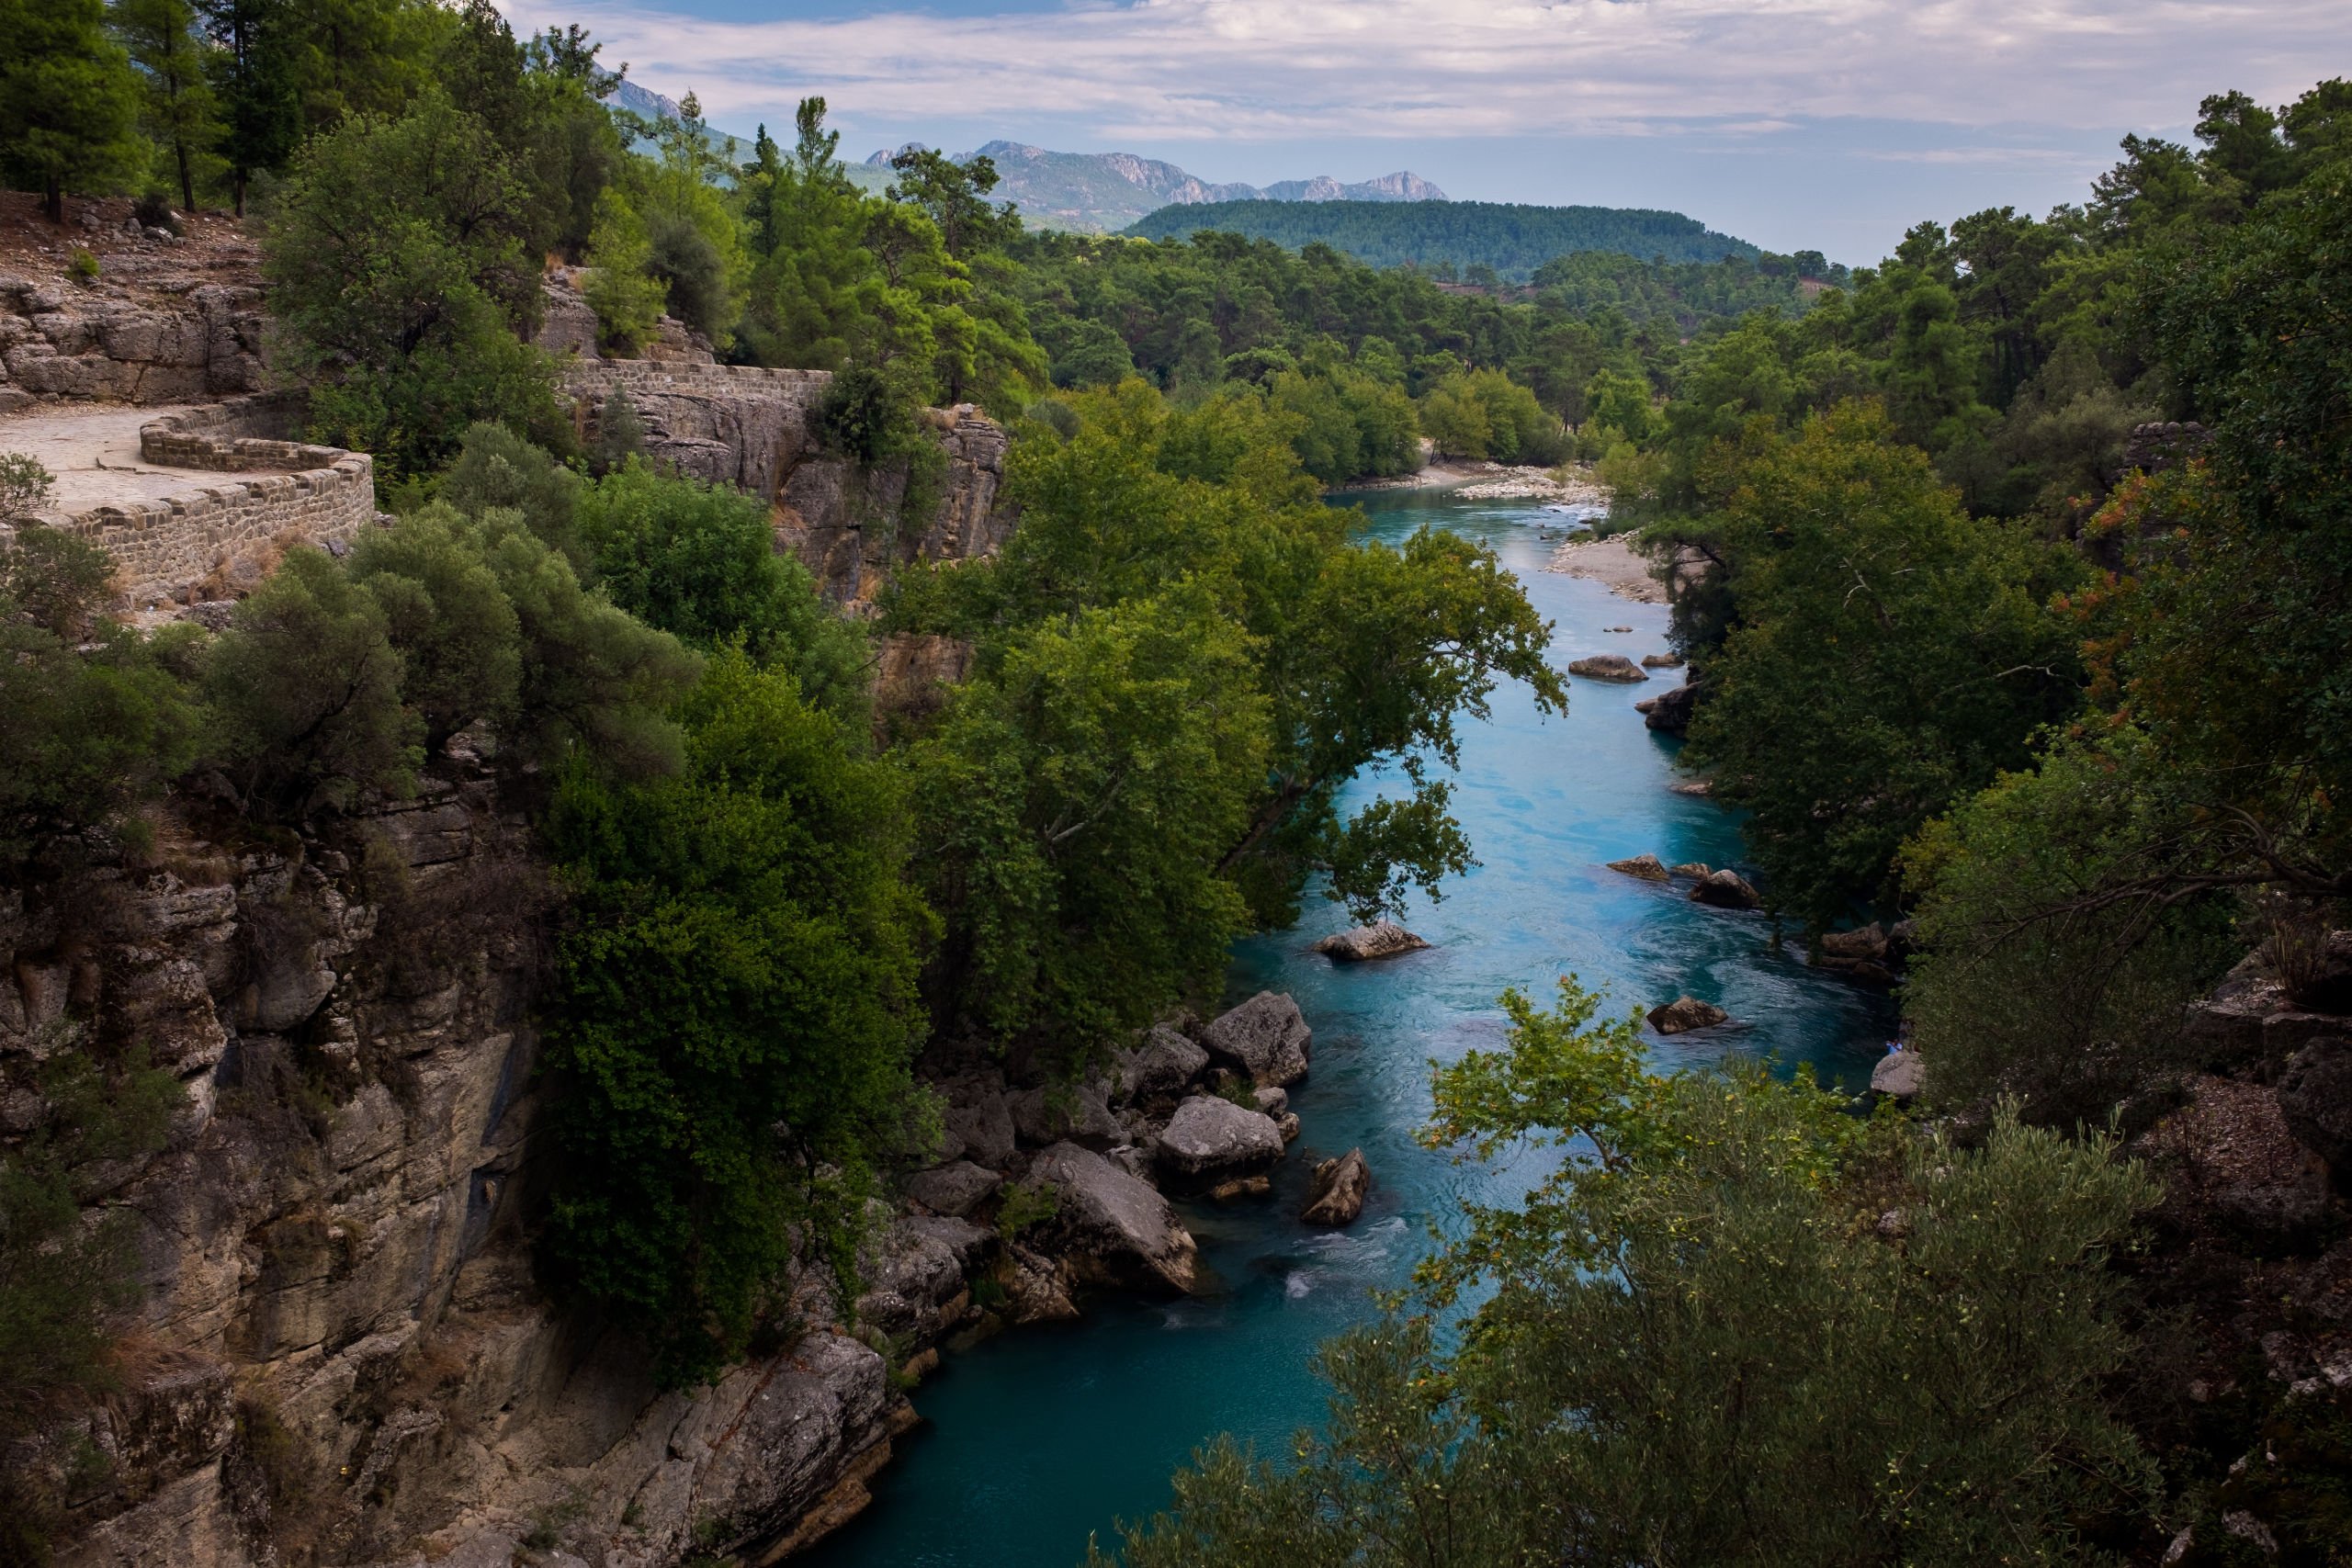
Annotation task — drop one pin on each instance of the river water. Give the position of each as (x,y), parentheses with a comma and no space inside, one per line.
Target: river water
(1039,1438)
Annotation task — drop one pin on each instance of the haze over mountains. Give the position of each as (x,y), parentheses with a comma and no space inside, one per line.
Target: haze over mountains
(1103,192)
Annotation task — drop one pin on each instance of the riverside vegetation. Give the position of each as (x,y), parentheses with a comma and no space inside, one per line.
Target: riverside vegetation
(1970,643)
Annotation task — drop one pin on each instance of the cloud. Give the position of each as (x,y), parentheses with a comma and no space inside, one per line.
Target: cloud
(1256,70)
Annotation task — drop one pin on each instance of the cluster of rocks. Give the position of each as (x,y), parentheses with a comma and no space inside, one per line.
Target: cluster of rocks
(1873,954)
(1669,712)
(1724,888)
(1078,1177)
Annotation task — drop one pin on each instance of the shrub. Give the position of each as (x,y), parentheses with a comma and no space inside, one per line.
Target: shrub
(24,484)
(154,211)
(83,266)
(56,579)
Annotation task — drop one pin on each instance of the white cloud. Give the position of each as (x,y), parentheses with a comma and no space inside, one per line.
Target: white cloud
(1254,69)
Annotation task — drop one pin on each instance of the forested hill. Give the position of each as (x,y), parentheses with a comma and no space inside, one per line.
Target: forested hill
(1511,238)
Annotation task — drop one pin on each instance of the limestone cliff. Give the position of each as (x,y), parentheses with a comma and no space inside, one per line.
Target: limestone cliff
(342,1355)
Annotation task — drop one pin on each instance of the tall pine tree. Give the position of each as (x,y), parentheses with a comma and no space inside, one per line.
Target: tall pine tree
(181,111)
(69,100)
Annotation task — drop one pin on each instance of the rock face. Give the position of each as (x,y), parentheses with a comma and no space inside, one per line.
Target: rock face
(1117,1225)
(1669,712)
(161,326)
(2315,1097)
(1337,1194)
(755,429)
(1648,867)
(330,1242)
(1726,889)
(1078,1112)
(1383,939)
(1899,1073)
(1265,1037)
(1608,667)
(1686,1013)
(1212,1138)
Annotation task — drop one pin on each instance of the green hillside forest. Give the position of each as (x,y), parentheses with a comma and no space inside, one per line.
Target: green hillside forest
(1510,239)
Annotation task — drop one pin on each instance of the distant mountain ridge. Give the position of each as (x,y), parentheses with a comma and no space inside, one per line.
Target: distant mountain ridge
(1100,192)
(1514,240)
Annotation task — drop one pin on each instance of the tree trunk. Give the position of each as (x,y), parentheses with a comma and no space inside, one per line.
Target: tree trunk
(239,184)
(187,181)
(53,202)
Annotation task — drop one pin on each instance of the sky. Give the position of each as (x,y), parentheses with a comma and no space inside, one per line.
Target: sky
(1829,124)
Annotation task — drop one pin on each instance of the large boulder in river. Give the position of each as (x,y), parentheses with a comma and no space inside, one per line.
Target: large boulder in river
(1608,667)
(1266,1037)
(1649,868)
(1162,1068)
(1726,889)
(1212,1138)
(1382,939)
(1114,1227)
(1669,712)
(1336,1196)
(1686,1013)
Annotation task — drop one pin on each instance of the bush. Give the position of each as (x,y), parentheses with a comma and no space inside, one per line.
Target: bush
(305,688)
(862,416)
(496,467)
(700,561)
(24,484)
(56,579)
(628,301)
(154,211)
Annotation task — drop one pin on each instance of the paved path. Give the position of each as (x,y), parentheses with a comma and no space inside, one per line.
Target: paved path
(93,450)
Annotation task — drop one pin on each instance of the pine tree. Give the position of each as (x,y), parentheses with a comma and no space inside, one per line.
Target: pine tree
(254,74)
(69,100)
(181,113)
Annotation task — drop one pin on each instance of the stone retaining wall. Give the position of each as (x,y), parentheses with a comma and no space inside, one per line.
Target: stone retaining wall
(174,550)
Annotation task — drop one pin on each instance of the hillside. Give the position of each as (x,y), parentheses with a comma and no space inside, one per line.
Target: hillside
(1104,192)
(1512,239)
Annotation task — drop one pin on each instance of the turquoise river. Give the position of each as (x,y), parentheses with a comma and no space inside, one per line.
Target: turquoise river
(1036,1438)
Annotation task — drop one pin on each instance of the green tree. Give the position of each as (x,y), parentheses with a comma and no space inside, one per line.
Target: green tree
(1891,656)
(1736,1326)
(622,289)
(256,71)
(700,561)
(69,100)
(181,114)
(735,1017)
(305,692)
(447,617)
(401,281)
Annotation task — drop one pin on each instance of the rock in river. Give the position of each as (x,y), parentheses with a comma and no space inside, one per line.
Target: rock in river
(1608,667)
(1726,889)
(1266,1037)
(1211,1136)
(1685,1013)
(1383,939)
(1113,1225)
(1649,868)
(1337,1197)
(1898,1073)
(1669,712)
(1661,661)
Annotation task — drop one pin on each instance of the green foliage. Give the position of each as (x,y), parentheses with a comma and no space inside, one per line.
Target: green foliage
(1485,414)
(179,110)
(1891,655)
(69,100)
(89,734)
(2038,982)
(1511,238)
(735,1017)
(700,561)
(1181,658)
(56,579)
(400,273)
(496,467)
(24,484)
(1686,295)
(1025,1206)
(305,692)
(621,288)
(447,617)
(1704,1344)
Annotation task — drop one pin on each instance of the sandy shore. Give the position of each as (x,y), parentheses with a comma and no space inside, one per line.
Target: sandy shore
(1488,482)
(1611,561)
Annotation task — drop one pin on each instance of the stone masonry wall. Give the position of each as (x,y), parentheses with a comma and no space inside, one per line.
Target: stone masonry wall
(166,550)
